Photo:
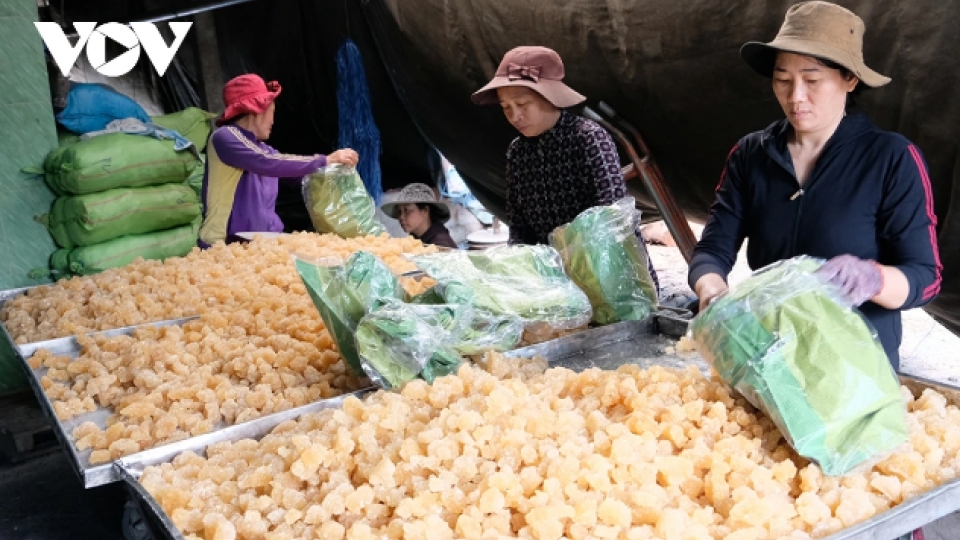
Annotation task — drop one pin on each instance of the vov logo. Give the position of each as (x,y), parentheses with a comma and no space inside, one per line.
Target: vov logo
(95,39)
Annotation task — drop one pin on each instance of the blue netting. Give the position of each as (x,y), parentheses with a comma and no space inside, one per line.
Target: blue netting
(357,127)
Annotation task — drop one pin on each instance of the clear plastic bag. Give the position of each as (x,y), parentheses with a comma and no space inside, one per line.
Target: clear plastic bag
(489,332)
(486,332)
(526,282)
(791,345)
(398,342)
(601,253)
(338,202)
(345,293)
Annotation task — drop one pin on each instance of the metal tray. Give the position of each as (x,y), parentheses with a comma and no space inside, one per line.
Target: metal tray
(644,343)
(90,475)
(129,468)
(606,348)
(96,475)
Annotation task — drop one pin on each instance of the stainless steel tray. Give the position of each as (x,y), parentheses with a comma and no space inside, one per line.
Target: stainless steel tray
(96,475)
(129,468)
(90,475)
(643,343)
(606,348)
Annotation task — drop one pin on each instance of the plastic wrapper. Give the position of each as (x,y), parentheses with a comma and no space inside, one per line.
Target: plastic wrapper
(338,203)
(489,332)
(486,332)
(790,344)
(526,282)
(602,255)
(345,293)
(398,342)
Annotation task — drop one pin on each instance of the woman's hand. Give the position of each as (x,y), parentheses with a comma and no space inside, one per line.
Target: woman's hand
(344,156)
(863,280)
(708,288)
(859,280)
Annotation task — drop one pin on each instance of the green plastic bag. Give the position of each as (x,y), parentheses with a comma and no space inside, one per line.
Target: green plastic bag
(486,331)
(398,342)
(192,123)
(85,220)
(344,294)
(118,252)
(526,282)
(113,161)
(338,203)
(794,348)
(602,255)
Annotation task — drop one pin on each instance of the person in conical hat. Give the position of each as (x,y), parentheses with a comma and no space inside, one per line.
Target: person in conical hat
(421,215)
(825,181)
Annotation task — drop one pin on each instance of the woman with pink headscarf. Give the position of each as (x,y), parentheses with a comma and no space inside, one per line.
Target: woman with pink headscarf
(240,183)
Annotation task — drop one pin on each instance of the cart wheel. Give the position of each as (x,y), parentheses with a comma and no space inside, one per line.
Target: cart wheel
(134,527)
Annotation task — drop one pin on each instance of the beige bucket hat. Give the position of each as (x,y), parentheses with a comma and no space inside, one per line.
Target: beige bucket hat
(416,194)
(819,29)
(539,69)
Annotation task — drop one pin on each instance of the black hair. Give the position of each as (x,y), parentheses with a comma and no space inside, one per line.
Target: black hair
(847,75)
(434,212)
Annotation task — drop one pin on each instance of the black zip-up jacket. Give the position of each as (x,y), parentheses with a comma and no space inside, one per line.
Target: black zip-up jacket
(868,195)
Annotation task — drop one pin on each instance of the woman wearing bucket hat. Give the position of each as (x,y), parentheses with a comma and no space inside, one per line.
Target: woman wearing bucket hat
(825,181)
(561,164)
(240,183)
(421,215)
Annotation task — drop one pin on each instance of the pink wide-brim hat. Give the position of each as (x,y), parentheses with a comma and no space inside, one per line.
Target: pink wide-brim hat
(537,68)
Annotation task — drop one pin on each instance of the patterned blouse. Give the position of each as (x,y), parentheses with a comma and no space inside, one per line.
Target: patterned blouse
(555,176)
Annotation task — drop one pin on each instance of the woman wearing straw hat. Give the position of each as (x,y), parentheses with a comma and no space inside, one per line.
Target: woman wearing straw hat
(561,164)
(240,183)
(421,215)
(825,181)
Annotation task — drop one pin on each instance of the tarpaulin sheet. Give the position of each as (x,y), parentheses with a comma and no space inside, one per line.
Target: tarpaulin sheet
(303,39)
(672,69)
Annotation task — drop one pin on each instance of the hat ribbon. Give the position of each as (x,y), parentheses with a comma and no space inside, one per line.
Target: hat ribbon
(517,71)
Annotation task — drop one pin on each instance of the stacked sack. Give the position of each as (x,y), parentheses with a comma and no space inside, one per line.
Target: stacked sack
(124,196)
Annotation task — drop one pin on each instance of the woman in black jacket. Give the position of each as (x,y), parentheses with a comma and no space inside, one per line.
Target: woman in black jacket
(825,181)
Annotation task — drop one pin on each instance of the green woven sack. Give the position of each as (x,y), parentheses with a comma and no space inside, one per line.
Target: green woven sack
(192,123)
(118,252)
(195,180)
(602,255)
(115,160)
(85,220)
(790,345)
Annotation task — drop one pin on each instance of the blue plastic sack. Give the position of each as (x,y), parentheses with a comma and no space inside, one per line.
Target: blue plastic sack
(90,107)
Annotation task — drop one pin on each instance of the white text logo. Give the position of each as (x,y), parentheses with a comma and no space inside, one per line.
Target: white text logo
(95,40)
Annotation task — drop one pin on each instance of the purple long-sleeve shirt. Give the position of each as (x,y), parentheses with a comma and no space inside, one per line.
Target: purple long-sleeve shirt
(240,184)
